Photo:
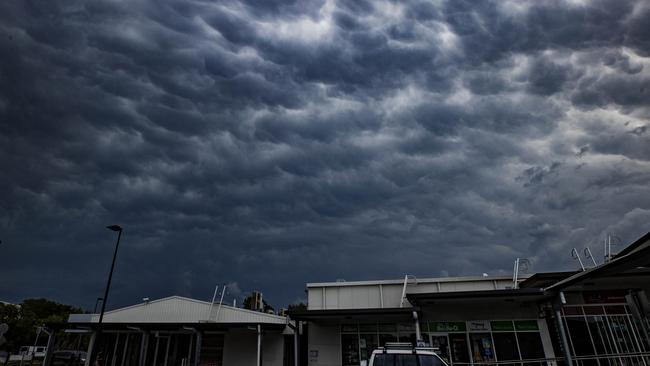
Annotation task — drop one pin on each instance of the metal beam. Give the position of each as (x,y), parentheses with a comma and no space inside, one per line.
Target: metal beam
(560,328)
(47,361)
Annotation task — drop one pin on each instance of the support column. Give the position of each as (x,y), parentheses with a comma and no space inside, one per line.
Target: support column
(117,342)
(566,351)
(197,353)
(418,335)
(144,346)
(47,361)
(296,334)
(126,349)
(259,345)
(91,348)
(638,314)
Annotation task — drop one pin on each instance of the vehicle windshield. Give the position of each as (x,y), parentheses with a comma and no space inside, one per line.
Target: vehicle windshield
(388,359)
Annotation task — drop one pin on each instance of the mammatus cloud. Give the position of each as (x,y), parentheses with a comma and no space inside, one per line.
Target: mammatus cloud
(273,143)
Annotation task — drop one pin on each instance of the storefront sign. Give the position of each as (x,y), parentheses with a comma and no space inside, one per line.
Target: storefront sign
(478,325)
(447,327)
(604,297)
(502,325)
(526,325)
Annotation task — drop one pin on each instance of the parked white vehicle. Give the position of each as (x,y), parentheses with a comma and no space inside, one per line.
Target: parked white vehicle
(405,354)
(36,351)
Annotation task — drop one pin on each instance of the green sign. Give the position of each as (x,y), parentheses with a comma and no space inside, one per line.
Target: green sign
(447,327)
(501,325)
(526,325)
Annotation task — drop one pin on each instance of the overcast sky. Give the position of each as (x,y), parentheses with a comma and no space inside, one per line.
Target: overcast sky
(267,144)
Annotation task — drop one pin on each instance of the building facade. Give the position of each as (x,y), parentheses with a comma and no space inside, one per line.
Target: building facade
(185,332)
(598,316)
(594,317)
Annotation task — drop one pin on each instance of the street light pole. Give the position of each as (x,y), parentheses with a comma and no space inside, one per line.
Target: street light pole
(93,355)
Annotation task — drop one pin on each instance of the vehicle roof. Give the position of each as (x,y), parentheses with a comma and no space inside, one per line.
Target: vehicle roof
(406,351)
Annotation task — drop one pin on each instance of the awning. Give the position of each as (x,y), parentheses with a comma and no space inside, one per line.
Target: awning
(327,315)
(524,294)
(207,326)
(635,263)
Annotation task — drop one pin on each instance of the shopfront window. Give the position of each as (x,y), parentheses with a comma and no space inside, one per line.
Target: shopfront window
(350,349)
(367,344)
(406,360)
(387,333)
(458,343)
(530,344)
(481,345)
(505,346)
(458,346)
(441,342)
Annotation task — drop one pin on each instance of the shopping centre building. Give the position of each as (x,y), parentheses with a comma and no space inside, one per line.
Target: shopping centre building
(594,317)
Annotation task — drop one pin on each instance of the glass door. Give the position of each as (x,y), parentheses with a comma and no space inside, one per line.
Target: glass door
(441,342)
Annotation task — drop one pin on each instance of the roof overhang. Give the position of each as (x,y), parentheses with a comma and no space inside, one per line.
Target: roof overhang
(515,295)
(342,315)
(203,326)
(633,264)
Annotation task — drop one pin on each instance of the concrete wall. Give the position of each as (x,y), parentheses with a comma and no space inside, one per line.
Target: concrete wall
(240,348)
(388,294)
(324,345)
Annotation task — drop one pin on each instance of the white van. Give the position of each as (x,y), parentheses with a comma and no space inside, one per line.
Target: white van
(405,354)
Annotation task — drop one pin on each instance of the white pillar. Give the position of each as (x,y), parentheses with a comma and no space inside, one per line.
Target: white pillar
(144,345)
(197,354)
(418,335)
(47,361)
(91,346)
(295,343)
(568,361)
(259,345)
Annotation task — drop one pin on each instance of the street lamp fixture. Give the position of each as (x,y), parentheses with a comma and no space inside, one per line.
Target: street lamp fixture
(93,353)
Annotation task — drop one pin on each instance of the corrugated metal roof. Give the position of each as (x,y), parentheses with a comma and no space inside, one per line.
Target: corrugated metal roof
(178,309)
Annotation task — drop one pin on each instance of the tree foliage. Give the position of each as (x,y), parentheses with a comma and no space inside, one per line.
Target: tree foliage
(25,318)
(248,304)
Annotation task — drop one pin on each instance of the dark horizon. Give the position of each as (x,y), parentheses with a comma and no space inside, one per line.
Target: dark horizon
(267,144)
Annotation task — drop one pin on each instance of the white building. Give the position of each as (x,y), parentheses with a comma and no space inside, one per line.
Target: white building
(594,317)
(182,331)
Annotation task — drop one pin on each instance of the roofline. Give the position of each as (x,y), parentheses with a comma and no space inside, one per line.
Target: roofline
(594,270)
(476,294)
(304,314)
(419,280)
(163,326)
(186,299)
(632,247)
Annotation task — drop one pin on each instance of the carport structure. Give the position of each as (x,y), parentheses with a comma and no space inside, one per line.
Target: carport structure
(179,331)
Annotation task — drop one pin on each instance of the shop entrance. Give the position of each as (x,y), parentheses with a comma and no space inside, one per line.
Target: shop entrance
(441,342)
(452,347)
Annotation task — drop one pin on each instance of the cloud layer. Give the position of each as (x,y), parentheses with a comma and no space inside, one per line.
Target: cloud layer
(272,143)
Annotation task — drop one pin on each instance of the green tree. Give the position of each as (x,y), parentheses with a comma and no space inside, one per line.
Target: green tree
(23,320)
(299,306)
(248,304)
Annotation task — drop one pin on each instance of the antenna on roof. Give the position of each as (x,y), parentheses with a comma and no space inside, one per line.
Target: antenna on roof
(214,296)
(588,255)
(223,291)
(608,246)
(575,255)
(521,265)
(406,282)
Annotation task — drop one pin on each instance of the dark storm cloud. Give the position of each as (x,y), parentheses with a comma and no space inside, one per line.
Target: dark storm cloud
(270,143)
